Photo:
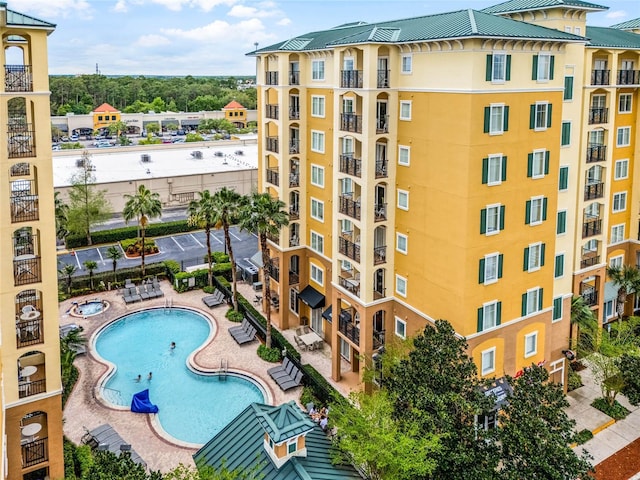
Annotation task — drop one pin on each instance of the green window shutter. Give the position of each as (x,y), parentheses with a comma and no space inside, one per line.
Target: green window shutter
(508,75)
(529,165)
(481,271)
(540,302)
(544,208)
(559,266)
(502,208)
(500,260)
(549,114)
(542,247)
(566,133)
(485,171)
(552,62)
(504,168)
(483,220)
(489,73)
(505,119)
(568,88)
(525,265)
(562,223)
(563,181)
(534,69)
(487,119)
(557,308)
(498,313)
(532,116)
(524,304)
(546,162)
(527,213)
(480,318)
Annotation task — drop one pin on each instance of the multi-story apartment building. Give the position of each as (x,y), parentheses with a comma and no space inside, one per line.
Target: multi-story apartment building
(30,352)
(443,167)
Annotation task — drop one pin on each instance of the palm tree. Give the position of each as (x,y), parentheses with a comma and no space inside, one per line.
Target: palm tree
(265,216)
(583,318)
(61,210)
(67,271)
(90,265)
(114,254)
(201,213)
(627,279)
(144,206)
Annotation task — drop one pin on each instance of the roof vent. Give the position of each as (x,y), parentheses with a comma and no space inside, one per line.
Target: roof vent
(239,152)
(80,162)
(218,154)
(196,154)
(145,157)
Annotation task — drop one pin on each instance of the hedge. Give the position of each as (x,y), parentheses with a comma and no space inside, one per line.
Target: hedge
(322,390)
(181,279)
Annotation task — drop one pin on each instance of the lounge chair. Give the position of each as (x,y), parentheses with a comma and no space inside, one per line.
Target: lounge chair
(144,294)
(243,327)
(217,298)
(289,383)
(155,291)
(288,374)
(131,295)
(280,368)
(246,337)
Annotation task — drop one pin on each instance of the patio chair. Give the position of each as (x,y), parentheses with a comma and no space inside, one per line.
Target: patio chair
(243,327)
(134,295)
(247,337)
(28,308)
(302,330)
(291,383)
(144,294)
(280,368)
(299,342)
(217,298)
(288,374)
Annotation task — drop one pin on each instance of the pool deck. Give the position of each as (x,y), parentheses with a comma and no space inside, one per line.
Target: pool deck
(84,412)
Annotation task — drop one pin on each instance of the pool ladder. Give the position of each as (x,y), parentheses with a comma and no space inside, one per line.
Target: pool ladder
(224,366)
(168,303)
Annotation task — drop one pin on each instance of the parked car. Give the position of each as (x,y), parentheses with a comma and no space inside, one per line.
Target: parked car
(74,138)
(64,138)
(178,140)
(56,147)
(103,144)
(166,140)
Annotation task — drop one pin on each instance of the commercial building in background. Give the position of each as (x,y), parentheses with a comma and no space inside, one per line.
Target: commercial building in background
(475,166)
(31,405)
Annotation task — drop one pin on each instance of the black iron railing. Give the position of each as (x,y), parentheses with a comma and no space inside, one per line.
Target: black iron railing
(294,114)
(21,141)
(29,332)
(272,78)
(18,78)
(349,330)
(350,122)
(378,339)
(294,146)
(35,452)
(350,165)
(272,144)
(589,261)
(591,228)
(294,213)
(590,297)
(26,270)
(598,115)
(350,285)
(349,206)
(351,79)
(294,278)
(600,77)
(383,79)
(349,248)
(596,153)
(272,111)
(24,208)
(382,124)
(294,180)
(380,212)
(381,168)
(379,255)
(35,387)
(628,77)
(294,77)
(273,177)
(595,190)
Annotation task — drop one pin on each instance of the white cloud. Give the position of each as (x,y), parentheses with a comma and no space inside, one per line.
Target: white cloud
(46,9)
(205,5)
(245,32)
(152,40)
(121,6)
(243,11)
(284,22)
(616,14)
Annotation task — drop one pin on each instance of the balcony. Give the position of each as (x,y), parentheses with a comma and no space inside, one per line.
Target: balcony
(593,191)
(381,168)
(294,146)
(274,271)
(598,115)
(294,180)
(272,144)
(272,78)
(24,207)
(294,213)
(348,248)
(294,114)
(600,77)
(350,165)
(294,77)
(591,228)
(349,206)
(596,153)
(379,255)
(294,278)
(628,77)
(350,122)
(590,297)
(351,78)
(21,141)
(383,79)
(18,78)
(26,269)
(378,339)
(350,284)
(20,170)
(379,292)
(380,212)
(382,124)
(272,111)
(294,241)
(348,329)
(35,452)
(273,238)
(29,332)
(34,387)
(273,176)
(589,260)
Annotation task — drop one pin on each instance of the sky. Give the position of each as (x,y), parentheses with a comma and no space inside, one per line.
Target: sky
(211,37)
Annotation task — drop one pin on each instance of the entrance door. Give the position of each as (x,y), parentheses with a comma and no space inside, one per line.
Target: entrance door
(316,320)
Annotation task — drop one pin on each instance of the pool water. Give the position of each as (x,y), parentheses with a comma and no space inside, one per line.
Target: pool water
(192,407)
(90,308)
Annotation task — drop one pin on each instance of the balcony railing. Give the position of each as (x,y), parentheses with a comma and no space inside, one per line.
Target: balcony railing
(294,77)
(351,78)
(350,122)
(591,228)
(596,153)
(273,238)
(272,111)
(24,208)
(273,177)
(349,248)
(20,170)
(595,190)
(294,114)
(383,79)
(272,144)
(589,261)
(274,271)
(349,206)
(272,78)
(378,339)
(294,146)
(29,332)
(600,77)
(379,255)
(26,270)
(36,452)
(380,212)
(294,180)
(294,241)
(382,124)
(18,78)
(294,278)
(590,297)
(21,141)
(349,330)
(350,165)
(598,115)
(350,284)
(27,389)
(628,77)
(294,213)
(381,168)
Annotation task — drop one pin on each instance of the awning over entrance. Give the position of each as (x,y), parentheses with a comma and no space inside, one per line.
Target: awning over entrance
(327,313)
(311,297)
(500,389)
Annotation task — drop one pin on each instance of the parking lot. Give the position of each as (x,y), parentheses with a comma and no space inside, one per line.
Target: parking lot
(187,248)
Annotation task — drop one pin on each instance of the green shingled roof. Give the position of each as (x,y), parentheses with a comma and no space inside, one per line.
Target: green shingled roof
(443,26)
(612,37)
(284,422)
(527,5)
(241,446)
(16,19)
(628,25)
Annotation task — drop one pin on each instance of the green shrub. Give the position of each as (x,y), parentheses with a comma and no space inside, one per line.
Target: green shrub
(583,436)
(269,354)
(615,411)
(208,289)
(219,257)
(172,266)
(307,397)
(234,316)
(133,247)
(575,381)
(181,279)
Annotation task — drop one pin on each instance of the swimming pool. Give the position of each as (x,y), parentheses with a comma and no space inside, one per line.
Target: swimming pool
(192,407)
(89,308)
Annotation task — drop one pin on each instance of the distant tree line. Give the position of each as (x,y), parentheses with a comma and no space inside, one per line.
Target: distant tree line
(81,94)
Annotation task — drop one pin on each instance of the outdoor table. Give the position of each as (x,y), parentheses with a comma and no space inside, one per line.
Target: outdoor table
(30,430)
(28,371)
(310,339)
(30,315)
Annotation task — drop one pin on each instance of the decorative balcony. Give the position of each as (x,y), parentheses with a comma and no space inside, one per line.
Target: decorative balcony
(20,170)
(350,165)
(381,168)
(294,241)
(273,176)
(26,269)
(590,296)
(380,212)
(273,238)
(294,114)
(382,124)
(628,77)
(272,111)
(596,153)
(379,255)
(21,140)
(24,207)
(294,77)
(598,115)
(591,228)
(349,206)
(294,278)
(35,452)
(35,387)
(593,191)
(378,339)
(589,260)
(294,213)
(348,248)
(600,77)
(383,79)
(272,144)
(29,332)
(272,78)
(294,180)
(350,284)
(351,78)
(18,78)
(294,146)
(350,122)
(274,271)
(348,329)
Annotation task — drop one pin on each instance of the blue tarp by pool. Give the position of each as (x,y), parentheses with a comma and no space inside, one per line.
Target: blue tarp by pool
(140,403)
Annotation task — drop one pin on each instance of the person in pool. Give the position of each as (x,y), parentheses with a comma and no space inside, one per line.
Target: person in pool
(150,376)
(137,380)
(173,345)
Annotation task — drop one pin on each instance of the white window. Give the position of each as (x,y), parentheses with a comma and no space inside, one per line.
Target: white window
(624,137)
(493,219)
(317,210)
(617,261)
(619,202)
(294,305)
(317,106)
(404,155)
(347,105)
(621,169)
(491,263)
(533,301)
(317,141)
(544,67)
(345,349)
(401,328)
(489,315)
(568,29)
(499,67)
(535,256)
(317,274)
(317,175)
(405,110)
(401,242)
(625,102)
(317,69)
(406,64)
(610,309)
(488,361)
(537,207)
(403,199)
(617,233)
(530,344)
(317,242)
(494,170)
(538,163)
(401,285)
(542,111)
(496,125)
(577,31)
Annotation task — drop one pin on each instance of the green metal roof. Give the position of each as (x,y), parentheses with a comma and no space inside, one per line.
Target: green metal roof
(241,446)
(442,26)
(612,37)
(628,25)
(16,19)
(527,5)
(284,422)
